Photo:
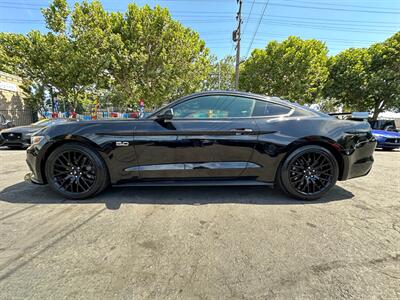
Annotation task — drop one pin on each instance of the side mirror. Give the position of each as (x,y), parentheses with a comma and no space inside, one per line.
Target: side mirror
(167,115)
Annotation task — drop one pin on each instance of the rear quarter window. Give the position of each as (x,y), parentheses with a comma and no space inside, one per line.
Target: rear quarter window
(264,109)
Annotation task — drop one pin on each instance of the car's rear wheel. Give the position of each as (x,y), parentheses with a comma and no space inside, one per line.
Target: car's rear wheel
(308,173)
(76,171)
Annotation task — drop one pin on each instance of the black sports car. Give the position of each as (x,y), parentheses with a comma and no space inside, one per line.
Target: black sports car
(20,136)
(210,138)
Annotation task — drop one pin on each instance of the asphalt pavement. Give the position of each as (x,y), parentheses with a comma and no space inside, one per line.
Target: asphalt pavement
(201,242)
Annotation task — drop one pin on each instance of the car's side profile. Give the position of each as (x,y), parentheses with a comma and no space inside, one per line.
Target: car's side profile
(206,138)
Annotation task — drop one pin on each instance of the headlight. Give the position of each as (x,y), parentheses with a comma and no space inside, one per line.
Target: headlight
(36,139)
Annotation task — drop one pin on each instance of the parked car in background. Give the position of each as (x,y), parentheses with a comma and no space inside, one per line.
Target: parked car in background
(386,134)
(387,140)
(209,138)
(20,137)
(387,125)
(4,123)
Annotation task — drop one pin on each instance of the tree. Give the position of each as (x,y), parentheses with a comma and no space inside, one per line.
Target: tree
(222,76)
(155,57)
(295,69)
(142,53)
(348,79)
(56,16)
(384,80)
(367,79)
(12,52)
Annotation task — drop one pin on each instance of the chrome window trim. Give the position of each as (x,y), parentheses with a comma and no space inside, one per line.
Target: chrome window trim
(291,111)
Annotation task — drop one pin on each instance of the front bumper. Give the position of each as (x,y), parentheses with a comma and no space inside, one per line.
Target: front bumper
(388,145)
(30,177)
(19,140)
(33,161)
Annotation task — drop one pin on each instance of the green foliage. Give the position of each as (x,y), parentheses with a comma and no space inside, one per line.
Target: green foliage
(222,76)
(118,57)
(56,16)
(348,78)
(295,69)
(12,50)
(92,55)
(34,95)
(155,57)
(367,79)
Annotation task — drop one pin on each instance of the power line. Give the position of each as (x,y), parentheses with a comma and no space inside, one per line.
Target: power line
(389,11)
(337,9)
(248,17)
(258,26)
(318,7)
(308,37)
(221,17)
(345,5)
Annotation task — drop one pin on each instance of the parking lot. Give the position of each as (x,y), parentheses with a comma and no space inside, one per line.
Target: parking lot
(201,243)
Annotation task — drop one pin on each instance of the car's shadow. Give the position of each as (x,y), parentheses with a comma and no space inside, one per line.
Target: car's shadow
(5,148)
(24,192)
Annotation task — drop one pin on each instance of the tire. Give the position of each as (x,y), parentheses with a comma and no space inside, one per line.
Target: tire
(76,171)
(308,173)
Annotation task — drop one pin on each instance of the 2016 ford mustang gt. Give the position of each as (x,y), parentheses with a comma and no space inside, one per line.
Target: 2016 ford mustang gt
(210,138)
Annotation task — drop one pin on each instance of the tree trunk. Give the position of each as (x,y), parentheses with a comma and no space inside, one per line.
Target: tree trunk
(378,108)
(52,99)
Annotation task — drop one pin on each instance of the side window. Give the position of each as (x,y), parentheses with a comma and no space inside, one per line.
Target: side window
(215,107)
(264,108)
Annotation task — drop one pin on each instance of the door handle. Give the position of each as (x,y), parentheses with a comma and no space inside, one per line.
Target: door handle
(242,130)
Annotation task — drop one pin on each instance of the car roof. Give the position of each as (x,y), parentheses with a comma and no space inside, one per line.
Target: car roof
(239,93)
(273,99)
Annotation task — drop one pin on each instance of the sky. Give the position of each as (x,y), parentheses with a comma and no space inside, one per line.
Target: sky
(341,24)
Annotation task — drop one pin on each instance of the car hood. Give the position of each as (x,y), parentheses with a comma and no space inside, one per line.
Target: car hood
(23,129)
(385,133)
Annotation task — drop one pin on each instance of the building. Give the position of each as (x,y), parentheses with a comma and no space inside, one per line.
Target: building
(12,105)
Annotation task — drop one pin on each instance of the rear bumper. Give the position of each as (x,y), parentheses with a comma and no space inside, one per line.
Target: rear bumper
(358,162)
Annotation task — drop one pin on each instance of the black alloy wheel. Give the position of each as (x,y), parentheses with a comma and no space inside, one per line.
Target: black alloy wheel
(308,172)
(76,171)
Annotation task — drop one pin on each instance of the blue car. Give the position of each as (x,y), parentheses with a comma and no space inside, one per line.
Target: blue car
(387,140)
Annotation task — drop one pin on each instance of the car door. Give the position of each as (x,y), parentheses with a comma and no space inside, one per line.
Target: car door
(155,142)
(216,135)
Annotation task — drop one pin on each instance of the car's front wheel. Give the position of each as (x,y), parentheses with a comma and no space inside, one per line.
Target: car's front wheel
(76,171)
(308,172)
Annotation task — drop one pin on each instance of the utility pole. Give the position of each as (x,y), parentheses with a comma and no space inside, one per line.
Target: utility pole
(236,38)
(219,75)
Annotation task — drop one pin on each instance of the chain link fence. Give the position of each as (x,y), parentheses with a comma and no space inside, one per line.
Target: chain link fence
(19,117)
